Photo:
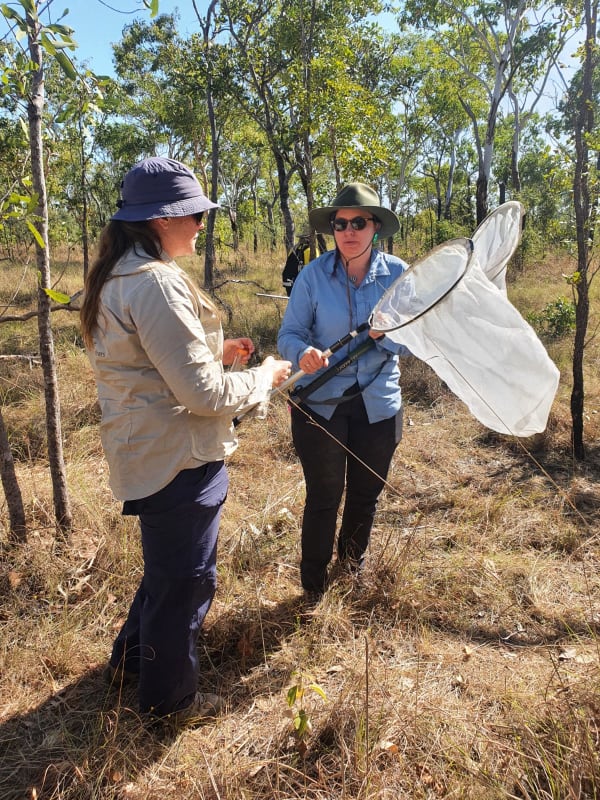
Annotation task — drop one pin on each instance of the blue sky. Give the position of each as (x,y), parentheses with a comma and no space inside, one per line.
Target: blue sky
(99,23)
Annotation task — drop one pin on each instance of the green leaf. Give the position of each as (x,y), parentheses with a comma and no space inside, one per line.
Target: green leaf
(47,44)
(153,6)
(66,65)
(36,234)
(58,297)
(574,279)
(291,695)
(10,13)
(302,723)
(316,688)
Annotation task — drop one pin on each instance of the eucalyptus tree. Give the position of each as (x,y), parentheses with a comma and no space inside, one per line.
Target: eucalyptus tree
(180,103)
(546,179)
(448,150)
(200,82)
(260,60)
(496,45)
(296,72)
(399,127)
(73,113)
(10,202)
(118,142)
(580,111)
(241,171)
(27,80)
(142,65)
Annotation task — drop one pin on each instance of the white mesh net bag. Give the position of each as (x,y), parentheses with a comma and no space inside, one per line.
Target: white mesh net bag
(450,315)
(496,240)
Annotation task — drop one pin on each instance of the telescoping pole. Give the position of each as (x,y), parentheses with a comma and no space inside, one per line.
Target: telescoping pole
(329,352)
(300,395)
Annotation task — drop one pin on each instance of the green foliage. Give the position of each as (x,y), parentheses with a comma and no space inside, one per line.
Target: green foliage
(555,320)
(447,229)
(55,39)
(296,701)
(58,297)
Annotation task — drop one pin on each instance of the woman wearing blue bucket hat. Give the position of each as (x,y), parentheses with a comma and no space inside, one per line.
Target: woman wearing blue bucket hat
(156,346)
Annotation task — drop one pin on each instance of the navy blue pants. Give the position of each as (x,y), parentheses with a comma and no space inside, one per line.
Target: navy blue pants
(328,468)
(179,527)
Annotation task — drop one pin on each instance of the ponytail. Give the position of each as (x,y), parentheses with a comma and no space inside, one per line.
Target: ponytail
(115,240)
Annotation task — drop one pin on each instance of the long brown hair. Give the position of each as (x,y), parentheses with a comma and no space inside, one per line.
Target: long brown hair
(115,240)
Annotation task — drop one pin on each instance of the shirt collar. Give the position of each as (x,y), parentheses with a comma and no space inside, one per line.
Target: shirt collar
(377,267)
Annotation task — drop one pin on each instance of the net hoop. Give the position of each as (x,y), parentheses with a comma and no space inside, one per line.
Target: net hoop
(408,299)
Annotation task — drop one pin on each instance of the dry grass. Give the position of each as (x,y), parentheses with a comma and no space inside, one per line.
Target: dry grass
(464,664)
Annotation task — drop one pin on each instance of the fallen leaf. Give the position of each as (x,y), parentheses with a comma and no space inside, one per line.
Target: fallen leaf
(14,579)
(458,682)
(567,654)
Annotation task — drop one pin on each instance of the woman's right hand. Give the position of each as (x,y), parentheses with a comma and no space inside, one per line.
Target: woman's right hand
(312,360)
(280,370)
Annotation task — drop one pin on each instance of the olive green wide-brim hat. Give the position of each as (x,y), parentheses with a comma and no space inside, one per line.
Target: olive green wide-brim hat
(359,196)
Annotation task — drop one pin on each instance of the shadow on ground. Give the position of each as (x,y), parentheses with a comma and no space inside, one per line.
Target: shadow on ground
(88,737)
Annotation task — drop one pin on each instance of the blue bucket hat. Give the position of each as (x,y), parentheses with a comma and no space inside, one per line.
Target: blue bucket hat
(160,187)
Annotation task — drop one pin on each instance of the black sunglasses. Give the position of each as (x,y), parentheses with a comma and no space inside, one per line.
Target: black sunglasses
(357,223)
(198,217)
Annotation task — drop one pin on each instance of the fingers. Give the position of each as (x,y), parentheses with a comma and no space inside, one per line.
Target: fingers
(247,344)
(312,360)
(282,372)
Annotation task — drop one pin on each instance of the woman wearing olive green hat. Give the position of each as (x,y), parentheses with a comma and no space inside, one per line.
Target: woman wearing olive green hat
(358,413)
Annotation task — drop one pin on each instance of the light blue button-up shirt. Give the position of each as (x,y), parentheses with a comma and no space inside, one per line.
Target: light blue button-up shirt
(323,307)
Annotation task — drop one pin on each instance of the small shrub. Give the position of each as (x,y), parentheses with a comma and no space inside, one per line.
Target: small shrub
(555,320)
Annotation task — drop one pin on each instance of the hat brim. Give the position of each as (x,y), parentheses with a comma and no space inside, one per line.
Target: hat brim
(180,208)
(319,219)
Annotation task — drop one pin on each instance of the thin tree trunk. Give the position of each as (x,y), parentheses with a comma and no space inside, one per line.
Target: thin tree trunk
(62,510)
(210,258)
(283,183)
(447,213)
(14,500)
(515,175)
(85,228)
(584,126)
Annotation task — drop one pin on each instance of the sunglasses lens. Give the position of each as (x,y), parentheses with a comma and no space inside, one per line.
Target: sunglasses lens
(198,217)
(357,224)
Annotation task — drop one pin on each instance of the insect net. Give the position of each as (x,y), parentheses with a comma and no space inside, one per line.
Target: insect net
(450,315)
(496,239)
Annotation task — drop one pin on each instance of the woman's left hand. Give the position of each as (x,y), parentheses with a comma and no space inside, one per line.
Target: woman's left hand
(241,347)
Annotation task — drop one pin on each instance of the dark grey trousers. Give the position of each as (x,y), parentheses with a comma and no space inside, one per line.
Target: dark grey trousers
(332,463)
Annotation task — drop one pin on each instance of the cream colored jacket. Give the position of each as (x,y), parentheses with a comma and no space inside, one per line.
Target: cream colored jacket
(167,404)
